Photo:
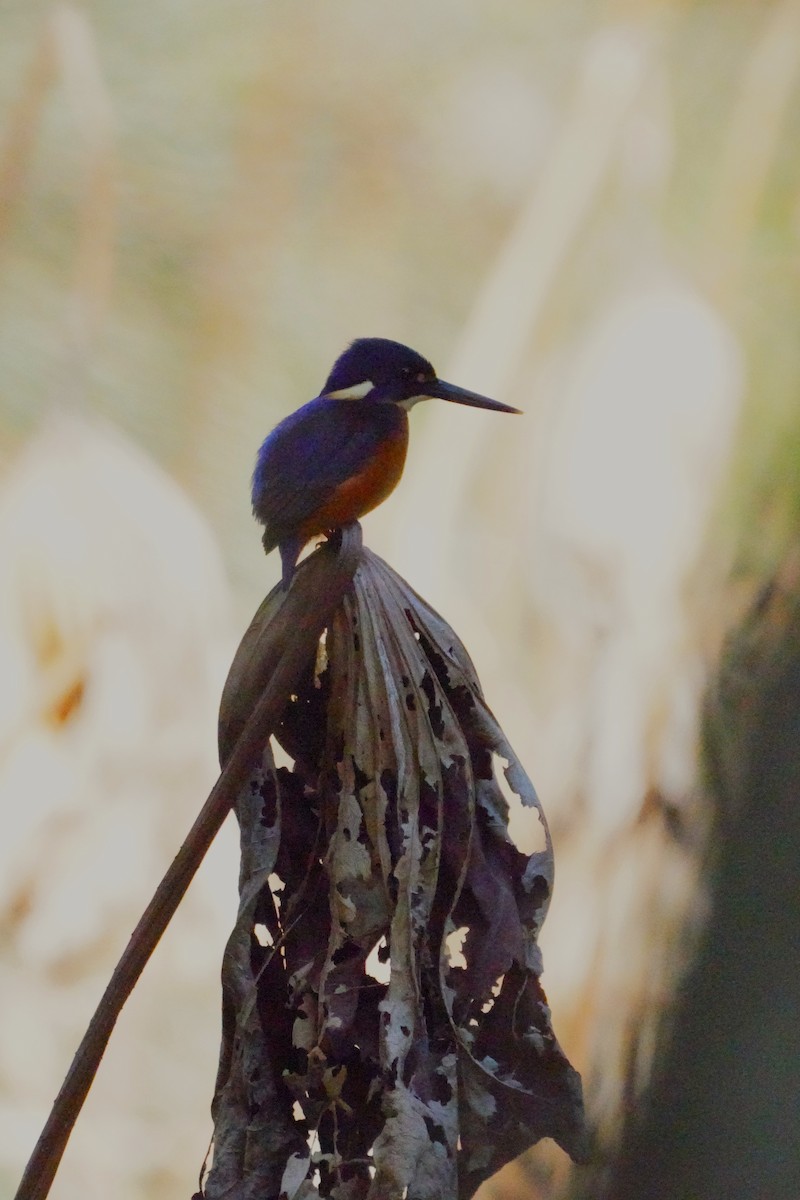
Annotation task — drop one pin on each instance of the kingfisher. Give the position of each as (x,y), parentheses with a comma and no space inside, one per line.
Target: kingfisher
(340,455)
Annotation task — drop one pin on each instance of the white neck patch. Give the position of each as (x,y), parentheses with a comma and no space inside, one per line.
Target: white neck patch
(357,392)
(410,402)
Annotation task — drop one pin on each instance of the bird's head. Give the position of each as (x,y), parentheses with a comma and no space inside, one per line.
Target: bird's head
(377,370)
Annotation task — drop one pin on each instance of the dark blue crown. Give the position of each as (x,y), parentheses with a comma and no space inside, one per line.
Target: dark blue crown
(380,360)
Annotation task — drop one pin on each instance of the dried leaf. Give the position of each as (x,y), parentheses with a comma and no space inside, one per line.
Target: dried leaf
(390,830)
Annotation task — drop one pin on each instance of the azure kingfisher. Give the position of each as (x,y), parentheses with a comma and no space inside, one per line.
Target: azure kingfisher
(341,454)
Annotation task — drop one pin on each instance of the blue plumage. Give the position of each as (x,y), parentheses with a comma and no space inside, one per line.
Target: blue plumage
(341,454)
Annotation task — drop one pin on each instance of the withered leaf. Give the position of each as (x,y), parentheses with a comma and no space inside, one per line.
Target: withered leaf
(340,1076)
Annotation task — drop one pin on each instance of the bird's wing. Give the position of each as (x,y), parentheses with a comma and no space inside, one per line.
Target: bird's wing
(308,455)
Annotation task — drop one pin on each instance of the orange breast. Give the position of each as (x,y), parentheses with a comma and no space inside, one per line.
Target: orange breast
(365,490)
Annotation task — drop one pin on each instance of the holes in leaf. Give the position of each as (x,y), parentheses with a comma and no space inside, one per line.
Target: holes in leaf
(377,965)
(321,661)
(263,935)
(454,943)
(524,823)
(276,887)
(282,758)
(488,1004)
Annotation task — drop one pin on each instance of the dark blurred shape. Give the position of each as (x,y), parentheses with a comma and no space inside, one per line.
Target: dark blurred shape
(723,1116)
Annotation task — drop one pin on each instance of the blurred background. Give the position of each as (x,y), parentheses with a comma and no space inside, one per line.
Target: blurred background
(591,211)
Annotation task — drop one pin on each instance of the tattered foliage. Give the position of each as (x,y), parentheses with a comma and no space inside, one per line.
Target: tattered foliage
(363,1055)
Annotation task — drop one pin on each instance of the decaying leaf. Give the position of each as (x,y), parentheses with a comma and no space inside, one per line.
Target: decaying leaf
(363,1055)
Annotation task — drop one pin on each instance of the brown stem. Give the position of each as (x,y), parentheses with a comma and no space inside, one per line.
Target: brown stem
(293,635)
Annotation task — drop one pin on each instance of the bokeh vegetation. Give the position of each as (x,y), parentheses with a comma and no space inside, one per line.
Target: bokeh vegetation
(590,211)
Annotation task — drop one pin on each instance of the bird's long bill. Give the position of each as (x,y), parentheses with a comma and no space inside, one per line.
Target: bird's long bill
(448,391)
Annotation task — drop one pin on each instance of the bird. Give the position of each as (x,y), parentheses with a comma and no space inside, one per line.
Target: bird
(341,454)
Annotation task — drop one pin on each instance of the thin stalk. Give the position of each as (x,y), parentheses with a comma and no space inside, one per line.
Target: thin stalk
(293,637)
